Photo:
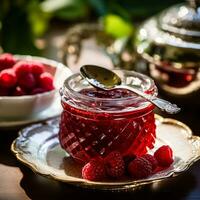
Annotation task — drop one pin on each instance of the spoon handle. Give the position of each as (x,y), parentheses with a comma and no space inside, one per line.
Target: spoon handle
(160,103)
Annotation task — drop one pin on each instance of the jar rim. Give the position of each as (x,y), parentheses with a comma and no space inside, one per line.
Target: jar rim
(152,89)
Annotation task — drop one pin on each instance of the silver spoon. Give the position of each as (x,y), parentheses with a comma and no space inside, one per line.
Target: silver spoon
(106,79)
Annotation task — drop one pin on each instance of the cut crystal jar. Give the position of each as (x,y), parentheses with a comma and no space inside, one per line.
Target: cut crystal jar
(95,122)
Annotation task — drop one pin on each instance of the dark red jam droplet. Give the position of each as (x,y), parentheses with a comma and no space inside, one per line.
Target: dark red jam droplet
(85,134)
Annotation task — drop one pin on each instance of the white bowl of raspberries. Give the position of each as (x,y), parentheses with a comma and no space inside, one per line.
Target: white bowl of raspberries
(28,84)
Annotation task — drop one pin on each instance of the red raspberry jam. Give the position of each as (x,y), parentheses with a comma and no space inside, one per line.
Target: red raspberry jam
(95,122)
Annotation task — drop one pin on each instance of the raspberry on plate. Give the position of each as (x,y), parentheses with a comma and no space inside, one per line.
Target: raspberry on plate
(6,61)
(140,168)
(46,81)
(164,156)
(152,160)
(94,170)
(37,68)
(128,159)
(8,78)
(114,165)
(22,68)
(27,81)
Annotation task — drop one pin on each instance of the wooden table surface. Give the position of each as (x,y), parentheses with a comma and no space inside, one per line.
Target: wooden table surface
(18,182)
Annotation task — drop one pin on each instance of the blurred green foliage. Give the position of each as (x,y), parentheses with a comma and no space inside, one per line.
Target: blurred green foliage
(22,21)
(66,9)
(116,26)
(134,9)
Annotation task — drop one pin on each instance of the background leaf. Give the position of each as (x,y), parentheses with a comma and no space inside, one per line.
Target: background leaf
(66,9)
(116,26)
(38,19)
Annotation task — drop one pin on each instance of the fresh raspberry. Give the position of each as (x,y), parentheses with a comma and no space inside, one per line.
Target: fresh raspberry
(46,81)
(94,170)
(164,156)
(114,164)
(140,168)
(19,91)
(6,61)
(37,68)
(8,78)
(22,68)
(152,160)
(128,159)
(27,81)
(37,91)
(4,91)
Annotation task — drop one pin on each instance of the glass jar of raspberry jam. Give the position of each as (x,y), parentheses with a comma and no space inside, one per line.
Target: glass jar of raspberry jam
(95,122)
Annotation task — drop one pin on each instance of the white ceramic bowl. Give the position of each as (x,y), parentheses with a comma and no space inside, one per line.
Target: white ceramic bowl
(20,107)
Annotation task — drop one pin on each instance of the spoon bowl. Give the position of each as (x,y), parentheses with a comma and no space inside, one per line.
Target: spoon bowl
(100,77)
(106,79)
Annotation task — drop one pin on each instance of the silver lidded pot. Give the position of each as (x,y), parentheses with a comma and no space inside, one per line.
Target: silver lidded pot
(169,43)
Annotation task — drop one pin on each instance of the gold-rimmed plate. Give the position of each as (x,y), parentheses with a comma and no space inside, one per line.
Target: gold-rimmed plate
(38,147)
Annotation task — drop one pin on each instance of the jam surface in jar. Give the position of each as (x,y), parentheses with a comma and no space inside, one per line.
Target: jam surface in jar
(111,120)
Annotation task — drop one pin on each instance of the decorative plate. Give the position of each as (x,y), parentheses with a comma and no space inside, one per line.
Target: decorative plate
(38,147)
